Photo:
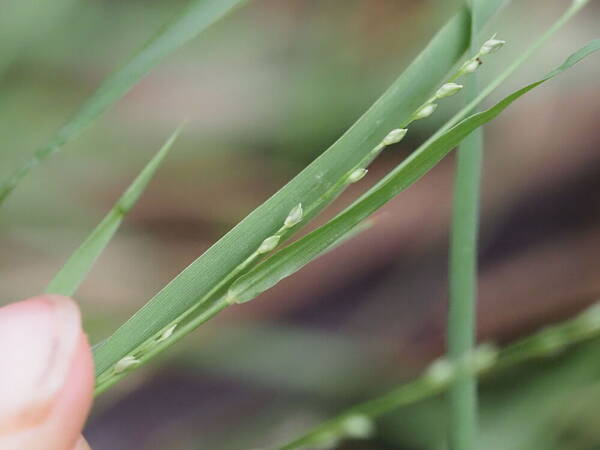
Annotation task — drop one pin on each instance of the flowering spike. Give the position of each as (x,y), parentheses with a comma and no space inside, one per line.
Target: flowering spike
(491,45)
(294,217)
(268,244)
(425,111)
(125,363)
(356,175)
(394,136)
(447,90)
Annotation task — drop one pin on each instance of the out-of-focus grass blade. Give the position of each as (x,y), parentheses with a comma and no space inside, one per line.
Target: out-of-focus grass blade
(25,21)
(195,18)
(301,252)
(395,106)
(68,279)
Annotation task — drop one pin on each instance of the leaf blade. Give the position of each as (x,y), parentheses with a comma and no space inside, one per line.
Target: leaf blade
(195,18)
(71,275)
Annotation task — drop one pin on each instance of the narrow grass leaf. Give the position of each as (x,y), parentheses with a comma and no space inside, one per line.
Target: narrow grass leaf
(68,279)
(294,257)
(195,18)
(395,107)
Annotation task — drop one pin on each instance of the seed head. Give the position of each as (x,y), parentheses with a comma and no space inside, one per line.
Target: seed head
(470,66)
(440,372)
(447,90)
(231,297)
(425,111)
(125,363)
(167,333)
(394,136)
(490,46)
(356,175)
(358,426)
(484,357)
(294,217)
(268,244)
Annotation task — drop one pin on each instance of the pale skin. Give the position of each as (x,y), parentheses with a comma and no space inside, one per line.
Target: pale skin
(46,375)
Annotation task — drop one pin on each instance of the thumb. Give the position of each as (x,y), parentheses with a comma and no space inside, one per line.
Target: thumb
(46,375)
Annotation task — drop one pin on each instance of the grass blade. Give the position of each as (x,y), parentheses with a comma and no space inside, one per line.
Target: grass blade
(289,260)
(195,18)
(68,279)
(301,252)
(396,105)
(463,269)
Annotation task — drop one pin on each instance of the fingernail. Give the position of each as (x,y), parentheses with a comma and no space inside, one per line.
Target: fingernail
(38,338)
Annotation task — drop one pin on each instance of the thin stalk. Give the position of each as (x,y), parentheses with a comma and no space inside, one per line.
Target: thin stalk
(463,248)
(462,394)
(442,373)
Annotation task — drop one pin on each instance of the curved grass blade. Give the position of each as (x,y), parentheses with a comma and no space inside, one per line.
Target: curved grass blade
(195,18)
(68,279)
(301,252)
(394,107)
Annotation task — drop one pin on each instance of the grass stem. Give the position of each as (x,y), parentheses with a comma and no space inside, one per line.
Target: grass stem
(442,374)
(462,394)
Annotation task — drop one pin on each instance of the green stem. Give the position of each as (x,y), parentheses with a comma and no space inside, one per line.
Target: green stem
(463,250)
(442,373)
(462,395)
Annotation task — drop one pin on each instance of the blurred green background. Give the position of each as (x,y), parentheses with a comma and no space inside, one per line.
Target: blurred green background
(265,92)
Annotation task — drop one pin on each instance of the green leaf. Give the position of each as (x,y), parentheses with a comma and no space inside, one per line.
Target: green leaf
(301,252)
(195,18)
(68,279)
(394,107)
